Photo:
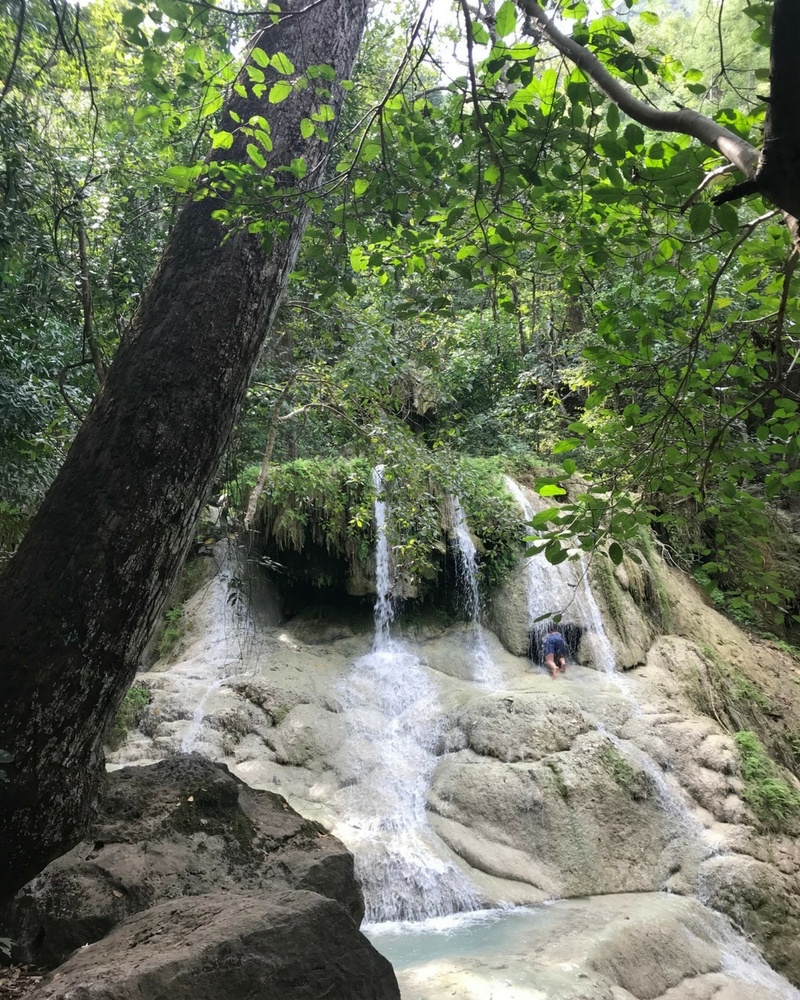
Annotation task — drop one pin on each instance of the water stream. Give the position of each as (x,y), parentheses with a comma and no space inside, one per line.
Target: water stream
(486,672)
(564,590)
(393,719)
(228,646)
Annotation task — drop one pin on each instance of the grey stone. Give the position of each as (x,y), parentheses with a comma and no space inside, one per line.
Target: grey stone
(289,945)
(182,827)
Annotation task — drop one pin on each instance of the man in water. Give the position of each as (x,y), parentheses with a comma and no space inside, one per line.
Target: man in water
(555,653)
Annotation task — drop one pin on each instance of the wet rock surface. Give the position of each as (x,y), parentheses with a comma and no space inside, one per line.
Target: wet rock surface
(623,947)
(594,783)
(223,946)
(181,827)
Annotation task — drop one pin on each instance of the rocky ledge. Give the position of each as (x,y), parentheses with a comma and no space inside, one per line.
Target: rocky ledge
(192,884)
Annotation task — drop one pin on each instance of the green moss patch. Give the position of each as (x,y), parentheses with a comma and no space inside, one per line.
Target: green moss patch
(323,509)
(774,801)
(129,715)
(635,782)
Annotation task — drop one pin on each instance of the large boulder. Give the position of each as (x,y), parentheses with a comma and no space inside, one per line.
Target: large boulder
(590,819)
(289,945)
(182,827)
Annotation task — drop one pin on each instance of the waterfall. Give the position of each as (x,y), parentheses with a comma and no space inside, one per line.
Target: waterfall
(384,610)
(393,717)
(228,629)
(562,589)
(486,673)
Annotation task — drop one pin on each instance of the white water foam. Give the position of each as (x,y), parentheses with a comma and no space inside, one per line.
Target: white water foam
(393,718)
(486,672)
(227,649)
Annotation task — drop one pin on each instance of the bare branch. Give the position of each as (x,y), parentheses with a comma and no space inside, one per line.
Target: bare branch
(709,178)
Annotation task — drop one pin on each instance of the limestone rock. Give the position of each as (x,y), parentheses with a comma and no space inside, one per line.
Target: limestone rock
(307,736)
(292,945)
(649,946)
(178,828)
(761,900)
(521,727)
(587,820)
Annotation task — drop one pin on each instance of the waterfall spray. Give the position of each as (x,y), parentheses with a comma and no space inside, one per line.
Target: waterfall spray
(393,720)
(486,673)
(554,588)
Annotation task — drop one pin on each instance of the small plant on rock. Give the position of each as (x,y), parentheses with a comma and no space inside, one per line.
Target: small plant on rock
(129,715)
(173,630)
(773,800)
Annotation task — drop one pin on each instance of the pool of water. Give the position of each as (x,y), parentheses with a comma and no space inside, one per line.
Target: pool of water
(645,943)
(461,935)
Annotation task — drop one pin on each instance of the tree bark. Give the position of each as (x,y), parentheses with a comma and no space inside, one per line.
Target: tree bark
(778,174)
(82,595)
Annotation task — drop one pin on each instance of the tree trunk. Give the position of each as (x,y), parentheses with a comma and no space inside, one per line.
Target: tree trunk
(82,595)
(778,175)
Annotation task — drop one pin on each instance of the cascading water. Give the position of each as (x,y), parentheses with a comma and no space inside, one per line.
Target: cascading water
(229,638)
(393,717)
(486,673)
(562,590)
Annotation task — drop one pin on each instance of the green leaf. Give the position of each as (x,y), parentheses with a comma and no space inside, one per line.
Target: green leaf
(259,56)
(506,19)
(221,140)
(298,167)
(132,17)
(569,466)
(306,128)
(551,490)
(359,261)
(142,114)
(727,218)
(554,553)
(279,91)
(699,217)
(360,186)
(544,517)
(615,553)
(281,63)
(480,35)
(256,155)
(212,105)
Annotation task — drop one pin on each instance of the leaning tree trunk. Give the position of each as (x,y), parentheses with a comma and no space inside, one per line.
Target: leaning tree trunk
(778,174)
(82,595)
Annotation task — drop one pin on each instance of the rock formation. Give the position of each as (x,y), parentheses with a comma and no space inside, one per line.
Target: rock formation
(192,884)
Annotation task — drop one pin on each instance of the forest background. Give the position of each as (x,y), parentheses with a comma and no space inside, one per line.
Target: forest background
(501,262)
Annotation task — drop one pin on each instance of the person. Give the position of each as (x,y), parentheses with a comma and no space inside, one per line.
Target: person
(555,653)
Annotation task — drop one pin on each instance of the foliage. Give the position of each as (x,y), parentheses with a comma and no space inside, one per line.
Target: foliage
(175,618)
(130,714)
(775,802)
(329,504)
(501,262)
(737,702)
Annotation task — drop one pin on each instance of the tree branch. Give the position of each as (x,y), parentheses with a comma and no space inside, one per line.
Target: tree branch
(738,151)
